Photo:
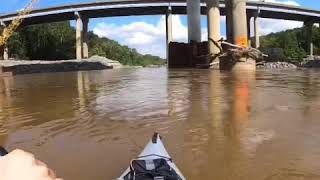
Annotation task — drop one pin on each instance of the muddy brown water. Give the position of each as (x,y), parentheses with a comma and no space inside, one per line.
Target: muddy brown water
(216,125)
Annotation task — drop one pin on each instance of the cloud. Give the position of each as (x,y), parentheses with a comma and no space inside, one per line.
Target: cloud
(268,26)
(147,38)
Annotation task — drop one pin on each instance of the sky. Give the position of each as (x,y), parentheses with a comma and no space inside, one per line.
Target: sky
(147,33)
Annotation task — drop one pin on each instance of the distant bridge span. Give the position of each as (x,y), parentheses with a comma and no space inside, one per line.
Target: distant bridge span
(154,7)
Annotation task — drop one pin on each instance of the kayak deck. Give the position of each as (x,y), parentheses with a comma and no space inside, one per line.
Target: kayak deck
(153,163)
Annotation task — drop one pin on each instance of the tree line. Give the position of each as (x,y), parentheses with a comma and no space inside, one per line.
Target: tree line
(290,45)
(56,41)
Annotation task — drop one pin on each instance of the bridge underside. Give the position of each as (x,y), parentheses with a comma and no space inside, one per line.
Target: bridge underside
(158,10)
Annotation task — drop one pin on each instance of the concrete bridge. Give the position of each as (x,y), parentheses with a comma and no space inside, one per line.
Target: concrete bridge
(238,12)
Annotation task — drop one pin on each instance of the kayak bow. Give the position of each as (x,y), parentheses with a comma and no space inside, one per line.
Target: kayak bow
(153,163)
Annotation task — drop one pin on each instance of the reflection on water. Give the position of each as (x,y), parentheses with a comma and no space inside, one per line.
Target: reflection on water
(217,125)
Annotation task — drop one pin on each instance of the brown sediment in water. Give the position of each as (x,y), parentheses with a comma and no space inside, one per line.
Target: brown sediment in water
(259,125)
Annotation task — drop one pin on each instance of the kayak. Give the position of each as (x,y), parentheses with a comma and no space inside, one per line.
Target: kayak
(153,163)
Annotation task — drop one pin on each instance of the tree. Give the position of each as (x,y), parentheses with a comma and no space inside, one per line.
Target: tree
(56,41)
(293,43)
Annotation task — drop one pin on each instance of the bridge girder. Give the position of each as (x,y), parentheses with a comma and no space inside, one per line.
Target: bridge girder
(156,7)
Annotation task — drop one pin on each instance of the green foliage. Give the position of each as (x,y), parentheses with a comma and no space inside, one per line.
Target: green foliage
(293,43)
(17,46)
(56,41)
(275,54)
(125,55)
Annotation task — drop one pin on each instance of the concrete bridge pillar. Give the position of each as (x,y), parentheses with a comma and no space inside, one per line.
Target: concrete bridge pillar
(194,20)
(309,26)
(85,49)
(5,54)
(249,30)
(213,13)
(239,22)
(256,31)
(229,22)
(238,32)
(78,36)
(168,30)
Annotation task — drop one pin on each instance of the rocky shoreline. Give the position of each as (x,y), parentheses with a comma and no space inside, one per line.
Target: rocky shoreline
(28,67)
(13,67)
(287,65)
(276,65)
(311,64)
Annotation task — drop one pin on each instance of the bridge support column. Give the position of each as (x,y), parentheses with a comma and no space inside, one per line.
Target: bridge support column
(229,22)
(78,36)
(249,30)
(256,31)
(213,13)
(5,52)
(238,26)
(194,20)
(309,26)
(239,22)
(85,49)
(168,30)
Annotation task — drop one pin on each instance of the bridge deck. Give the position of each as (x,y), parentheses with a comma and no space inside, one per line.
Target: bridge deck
(154,7)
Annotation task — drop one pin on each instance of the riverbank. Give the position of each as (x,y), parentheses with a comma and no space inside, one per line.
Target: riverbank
(311,64)
(314,64)
(29,67)
(276,65)
(13,67)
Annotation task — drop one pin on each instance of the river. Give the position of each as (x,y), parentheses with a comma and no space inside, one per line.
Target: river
(216,125)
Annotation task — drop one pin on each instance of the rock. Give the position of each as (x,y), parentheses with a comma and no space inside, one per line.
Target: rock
(127,66)
(276,65)
(28,67)
(311,64)
(106,61)
(154,66)
(41,66)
